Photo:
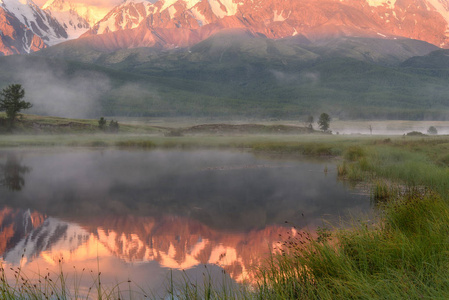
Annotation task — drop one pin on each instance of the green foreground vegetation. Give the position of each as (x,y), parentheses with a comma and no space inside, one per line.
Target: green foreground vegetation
(404,253)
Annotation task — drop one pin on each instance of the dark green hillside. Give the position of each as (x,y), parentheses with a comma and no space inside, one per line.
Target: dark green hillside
(239,76)
(222,45)
(435,60)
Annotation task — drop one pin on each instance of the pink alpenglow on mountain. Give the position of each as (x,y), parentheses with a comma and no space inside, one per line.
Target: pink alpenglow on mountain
(183,23)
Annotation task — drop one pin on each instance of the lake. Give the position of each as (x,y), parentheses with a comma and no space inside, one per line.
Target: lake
(144,216)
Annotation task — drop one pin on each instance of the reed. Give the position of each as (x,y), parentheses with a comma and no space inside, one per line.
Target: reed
(404,255)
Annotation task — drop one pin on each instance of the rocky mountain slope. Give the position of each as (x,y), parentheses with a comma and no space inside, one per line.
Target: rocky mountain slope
(182,23)
(15,37)
(24,27)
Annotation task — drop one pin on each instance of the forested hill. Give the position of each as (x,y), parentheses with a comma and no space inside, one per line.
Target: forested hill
(232,75)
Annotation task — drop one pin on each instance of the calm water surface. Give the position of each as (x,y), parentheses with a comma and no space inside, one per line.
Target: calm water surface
(138,214)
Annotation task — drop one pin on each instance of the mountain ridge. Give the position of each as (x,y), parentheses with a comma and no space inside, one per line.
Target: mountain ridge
(181,23)
(248,78)
(168,24)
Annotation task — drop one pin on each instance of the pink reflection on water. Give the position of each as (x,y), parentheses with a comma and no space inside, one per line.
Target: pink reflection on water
(140,249)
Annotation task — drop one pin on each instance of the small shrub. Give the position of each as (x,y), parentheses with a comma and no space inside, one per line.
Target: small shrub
(113,126)
(432,130)
(102,123)
(415,133)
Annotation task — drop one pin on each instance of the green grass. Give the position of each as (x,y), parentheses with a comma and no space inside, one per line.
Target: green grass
(404,255)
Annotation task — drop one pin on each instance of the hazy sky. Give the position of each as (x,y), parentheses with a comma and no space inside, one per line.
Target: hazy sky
(99,3)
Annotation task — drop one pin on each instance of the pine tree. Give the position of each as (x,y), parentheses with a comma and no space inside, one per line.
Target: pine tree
(11,102)
(324,121)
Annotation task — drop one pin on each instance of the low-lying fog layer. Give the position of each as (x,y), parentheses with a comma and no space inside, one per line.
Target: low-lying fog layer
(387,127)
(140,213)
(221,182)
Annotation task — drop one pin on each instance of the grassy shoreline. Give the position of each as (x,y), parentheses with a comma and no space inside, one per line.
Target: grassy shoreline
(404,255)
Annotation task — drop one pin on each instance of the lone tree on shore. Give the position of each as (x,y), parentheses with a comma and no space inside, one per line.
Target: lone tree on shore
(432,130)
(324,121)
(11,102)
(102,123)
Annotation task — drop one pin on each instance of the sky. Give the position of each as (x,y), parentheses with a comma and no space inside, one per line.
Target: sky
(98,3)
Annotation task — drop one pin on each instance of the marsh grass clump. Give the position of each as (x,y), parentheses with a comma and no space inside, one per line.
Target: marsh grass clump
(342,170)
(355,173)
(404,255)
(382,192)
(351,172)
(354,153)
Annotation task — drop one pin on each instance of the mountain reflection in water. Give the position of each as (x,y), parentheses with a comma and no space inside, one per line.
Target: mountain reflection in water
(172,242)
(137,214)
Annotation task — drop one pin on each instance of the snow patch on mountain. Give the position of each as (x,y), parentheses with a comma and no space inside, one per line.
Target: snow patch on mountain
(67,11)
(172,11)
(388,3)
(200,18)
(223,8)
(127,16)
(442,7)
(278,17)
(167,4)
(67,15)
(191,3)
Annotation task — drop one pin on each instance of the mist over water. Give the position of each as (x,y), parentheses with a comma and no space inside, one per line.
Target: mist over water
(141,213)
(388,127)
(181,182)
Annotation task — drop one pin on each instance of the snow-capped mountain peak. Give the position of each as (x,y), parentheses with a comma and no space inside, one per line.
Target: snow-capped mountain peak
(74,13)
(182,23)
(38,21)
(74,20)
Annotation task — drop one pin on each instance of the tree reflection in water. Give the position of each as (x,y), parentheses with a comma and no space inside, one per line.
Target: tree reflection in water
(11,173)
